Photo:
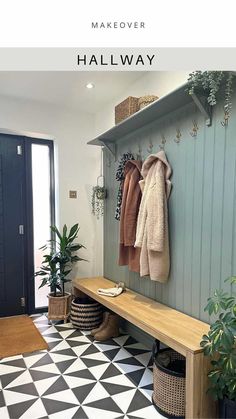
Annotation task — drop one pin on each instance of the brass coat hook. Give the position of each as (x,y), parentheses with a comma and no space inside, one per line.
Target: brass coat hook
(194,131)
(163,141)
(178,136)
(150,147)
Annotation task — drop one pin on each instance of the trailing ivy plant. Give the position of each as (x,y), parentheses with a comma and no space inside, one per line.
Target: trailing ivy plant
(98,196)
(220,344)
(211,82)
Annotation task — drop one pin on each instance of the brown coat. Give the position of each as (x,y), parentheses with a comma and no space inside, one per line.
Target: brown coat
(129,255)
(152,228)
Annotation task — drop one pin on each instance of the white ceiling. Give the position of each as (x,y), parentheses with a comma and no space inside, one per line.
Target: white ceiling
(68,88)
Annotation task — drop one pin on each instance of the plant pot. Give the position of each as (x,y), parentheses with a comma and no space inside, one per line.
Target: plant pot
(227,408)
(59,306)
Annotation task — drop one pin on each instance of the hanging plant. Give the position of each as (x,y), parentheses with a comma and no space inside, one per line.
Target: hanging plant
(98,196)
(213,83)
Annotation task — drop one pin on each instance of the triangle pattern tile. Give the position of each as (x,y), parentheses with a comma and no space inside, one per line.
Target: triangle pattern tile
(138,402)
(79,350)
(59,385)
(121,379)
(42,375)
(82,392)
(23,378)
(111,371)
(124,399)
(4,413)
(74,343)
(36,411)
(12,397)
(146,379)
(57,357)
(147,413)
(20,363)
(80,414)
(98,370)
(32,359)
(61,345)
(106,404)
(98,392)
(46,359)
(2,401)
(92,362)
(65,365)
(74,382)
(64,396)
(136,376)
(81,374)
(52,407)
(68,414)
(94,413)
(10,358)
(48,368)
(26,389)
(18,409)
(112,388)
(8,369)
(75,365)
(43,385)
(111,354)
(8,378)
(122,354)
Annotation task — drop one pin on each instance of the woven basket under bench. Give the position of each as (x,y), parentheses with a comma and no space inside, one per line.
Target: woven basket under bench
(86,313)
(168,382)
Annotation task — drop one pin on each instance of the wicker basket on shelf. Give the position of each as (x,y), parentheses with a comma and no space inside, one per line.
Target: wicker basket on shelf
(146,100)
(126,108)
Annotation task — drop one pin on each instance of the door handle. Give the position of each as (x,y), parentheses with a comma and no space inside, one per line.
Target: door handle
(21,229)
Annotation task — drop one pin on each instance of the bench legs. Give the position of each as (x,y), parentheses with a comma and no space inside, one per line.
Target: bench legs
(199,405)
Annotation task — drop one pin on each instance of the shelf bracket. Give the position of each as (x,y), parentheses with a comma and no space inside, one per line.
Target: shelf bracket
(111,147)
(203,107)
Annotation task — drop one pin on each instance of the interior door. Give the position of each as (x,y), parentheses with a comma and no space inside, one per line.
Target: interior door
(12,225)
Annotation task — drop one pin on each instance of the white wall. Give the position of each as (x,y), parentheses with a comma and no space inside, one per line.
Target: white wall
(157,83)
(77,167)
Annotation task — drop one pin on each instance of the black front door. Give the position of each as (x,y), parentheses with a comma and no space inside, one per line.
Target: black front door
(12,226)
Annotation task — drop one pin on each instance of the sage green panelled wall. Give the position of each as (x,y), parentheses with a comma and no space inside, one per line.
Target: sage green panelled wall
(201,208)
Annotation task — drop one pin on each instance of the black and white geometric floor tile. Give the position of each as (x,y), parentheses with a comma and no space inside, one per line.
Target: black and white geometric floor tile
(77,378)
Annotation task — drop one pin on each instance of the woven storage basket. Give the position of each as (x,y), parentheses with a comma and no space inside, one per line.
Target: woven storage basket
(85,314)
(59,307)
(168,383)
(146,100)
(126,108)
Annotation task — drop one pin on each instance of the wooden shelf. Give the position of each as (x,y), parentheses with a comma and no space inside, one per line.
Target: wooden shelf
(161,107)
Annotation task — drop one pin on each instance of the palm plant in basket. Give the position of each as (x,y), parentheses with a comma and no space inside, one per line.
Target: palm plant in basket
(220,346)
(58,260)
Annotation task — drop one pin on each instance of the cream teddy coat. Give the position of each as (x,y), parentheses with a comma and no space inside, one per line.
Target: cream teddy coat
(152,227)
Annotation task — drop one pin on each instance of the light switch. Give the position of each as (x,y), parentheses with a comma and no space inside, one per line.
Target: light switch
(73,194)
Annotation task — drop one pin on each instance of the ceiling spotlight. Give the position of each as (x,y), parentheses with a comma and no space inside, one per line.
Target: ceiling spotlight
(90,85)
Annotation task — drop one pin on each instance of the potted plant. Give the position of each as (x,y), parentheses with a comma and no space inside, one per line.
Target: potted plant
(220,345)
(215,84)
(56,266)
(98,196)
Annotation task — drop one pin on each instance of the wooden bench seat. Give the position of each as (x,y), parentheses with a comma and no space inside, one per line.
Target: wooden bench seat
(175,329)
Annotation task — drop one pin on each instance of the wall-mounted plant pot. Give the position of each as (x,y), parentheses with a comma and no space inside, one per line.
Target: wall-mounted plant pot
(227,408)
(59,306)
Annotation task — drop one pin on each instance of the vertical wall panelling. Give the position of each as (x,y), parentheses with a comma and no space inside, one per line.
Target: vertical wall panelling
(201,208)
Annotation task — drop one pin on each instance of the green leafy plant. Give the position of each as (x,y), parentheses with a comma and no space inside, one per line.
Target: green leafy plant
(220,344)
(98,196)
(212,83)
(58,262)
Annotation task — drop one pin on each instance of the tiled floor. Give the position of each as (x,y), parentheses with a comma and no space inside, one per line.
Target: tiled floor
(77,378)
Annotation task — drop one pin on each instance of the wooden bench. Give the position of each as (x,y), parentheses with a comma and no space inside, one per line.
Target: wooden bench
(173,328)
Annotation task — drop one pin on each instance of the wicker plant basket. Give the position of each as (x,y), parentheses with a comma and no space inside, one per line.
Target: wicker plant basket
(86,314)
(126,108)
(59,307)
(146,100)
(168,382)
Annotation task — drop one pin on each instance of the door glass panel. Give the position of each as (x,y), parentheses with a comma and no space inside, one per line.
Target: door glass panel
(41,212)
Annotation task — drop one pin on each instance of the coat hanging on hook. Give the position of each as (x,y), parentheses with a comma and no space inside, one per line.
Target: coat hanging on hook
(120,175)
